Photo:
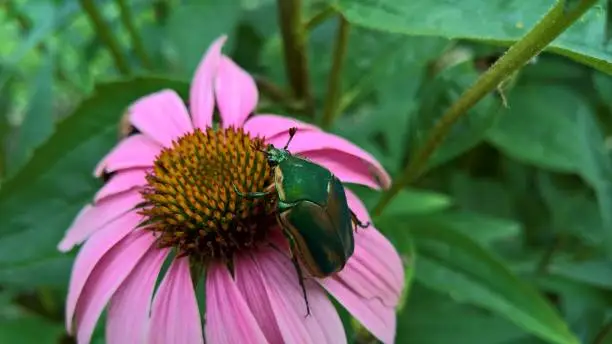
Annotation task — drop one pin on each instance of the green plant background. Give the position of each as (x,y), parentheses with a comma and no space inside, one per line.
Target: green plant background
(506,239)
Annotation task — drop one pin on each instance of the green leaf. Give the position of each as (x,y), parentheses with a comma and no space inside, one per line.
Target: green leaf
(413,201)
(191,28)
(434,318)
(479,227)
(540,127)
(38,122)
(597,273)
(30,329)
(456,265)
(495,21)
(596,168)
(407,202)
(572,209)
(39,203)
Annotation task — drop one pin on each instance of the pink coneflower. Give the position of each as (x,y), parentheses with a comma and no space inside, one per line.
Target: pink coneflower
(169,196)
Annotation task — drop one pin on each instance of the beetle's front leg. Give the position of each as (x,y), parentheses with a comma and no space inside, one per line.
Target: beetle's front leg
(252,195)
(357,222)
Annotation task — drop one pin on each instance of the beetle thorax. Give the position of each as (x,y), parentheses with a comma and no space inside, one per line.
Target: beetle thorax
(190,200)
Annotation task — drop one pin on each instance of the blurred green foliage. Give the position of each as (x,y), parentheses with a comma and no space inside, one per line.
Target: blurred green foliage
(506,239)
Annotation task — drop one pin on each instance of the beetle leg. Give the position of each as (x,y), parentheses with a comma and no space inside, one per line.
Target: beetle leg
(297,266)
(251,195)
(357,222)
(301,278)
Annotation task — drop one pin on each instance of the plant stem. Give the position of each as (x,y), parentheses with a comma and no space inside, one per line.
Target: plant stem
(294,47)
(160,8)
(334,85)
(125,13)
(318,18)
(603,333)
(546,30)
(106,35)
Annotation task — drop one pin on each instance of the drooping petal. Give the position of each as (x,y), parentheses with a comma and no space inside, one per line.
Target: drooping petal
(161,116)
(132,152)
(236,93)
(201,95)
(375,250)
(175,317)
(90,254)
(228,317)
(251,286)
(370,284)
(271,125)
(120,182)
(128,311)
(286,299)
(348,168)
(93,217)
(106,277)
(377,318)
(332,148)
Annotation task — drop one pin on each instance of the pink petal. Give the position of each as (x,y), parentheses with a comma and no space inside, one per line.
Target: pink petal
(370,285)
(90,254)
(133,151)
(201,96)
(282,286)
(120,182)
(161,116)
(377,318)
(93,217)
(228,317)
(128,311)
(342,157)
(106,277)
(348,168)
(236,93)
(376,257)
(272,125)
(175,317)
(251,285)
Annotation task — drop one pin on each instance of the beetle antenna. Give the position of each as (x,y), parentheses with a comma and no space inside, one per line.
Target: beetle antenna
(292,132)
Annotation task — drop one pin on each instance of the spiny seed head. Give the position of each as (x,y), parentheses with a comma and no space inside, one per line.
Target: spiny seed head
(191,201)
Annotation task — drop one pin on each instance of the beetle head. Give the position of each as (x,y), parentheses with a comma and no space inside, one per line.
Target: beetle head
(276,156)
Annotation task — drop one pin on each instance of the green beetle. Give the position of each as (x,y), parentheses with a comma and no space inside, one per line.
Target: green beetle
(312,211)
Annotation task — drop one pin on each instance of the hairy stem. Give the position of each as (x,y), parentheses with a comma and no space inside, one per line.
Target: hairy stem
(106,35)
(294,45)
(550,27)
(334,85)
(127,19)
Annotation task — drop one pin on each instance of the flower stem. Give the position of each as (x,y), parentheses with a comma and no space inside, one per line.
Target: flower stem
(125,13)
(603,333)
(160,9)
(334,85)
(106,35)
(547,29)
(294,46)
(318,18)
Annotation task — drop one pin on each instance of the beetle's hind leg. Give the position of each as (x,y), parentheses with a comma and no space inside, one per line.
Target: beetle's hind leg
(252,195)
(357,222)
